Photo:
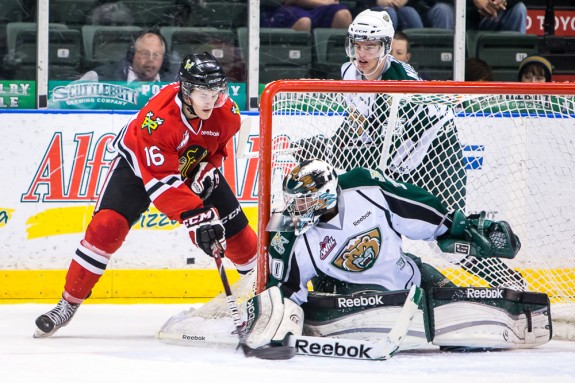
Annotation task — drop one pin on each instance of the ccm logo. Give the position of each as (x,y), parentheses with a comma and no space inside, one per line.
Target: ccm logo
(202,217)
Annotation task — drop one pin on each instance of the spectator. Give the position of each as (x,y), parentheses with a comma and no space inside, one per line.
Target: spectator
(402,16)
(477,70)
(146,60)
(535,69)
(110,12)
(305,15)
(488,15)
(400,47)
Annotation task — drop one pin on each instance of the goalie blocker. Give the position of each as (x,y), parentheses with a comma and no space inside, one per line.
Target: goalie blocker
(455,318)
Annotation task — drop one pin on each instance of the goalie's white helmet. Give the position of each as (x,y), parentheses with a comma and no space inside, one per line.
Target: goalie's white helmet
(310,190)
(370,26)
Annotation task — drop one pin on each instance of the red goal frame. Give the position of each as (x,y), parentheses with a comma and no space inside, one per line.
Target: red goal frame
(422,87)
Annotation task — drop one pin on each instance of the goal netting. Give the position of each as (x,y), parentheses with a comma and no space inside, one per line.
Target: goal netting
(505,148)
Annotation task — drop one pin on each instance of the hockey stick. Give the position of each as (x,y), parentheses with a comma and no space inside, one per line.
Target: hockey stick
(382,349)
(274,353)
(243,136)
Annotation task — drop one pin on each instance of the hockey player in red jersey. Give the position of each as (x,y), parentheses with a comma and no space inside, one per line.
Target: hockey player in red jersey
(168,154)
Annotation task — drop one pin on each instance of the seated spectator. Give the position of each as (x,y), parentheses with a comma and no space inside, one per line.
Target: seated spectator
(403,15)
(110,12)
(146,60)
(485,15)
(477,70)
(535,69)
(305,15)
(400,47)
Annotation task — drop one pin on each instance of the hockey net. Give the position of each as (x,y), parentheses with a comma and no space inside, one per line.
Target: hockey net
(506,148)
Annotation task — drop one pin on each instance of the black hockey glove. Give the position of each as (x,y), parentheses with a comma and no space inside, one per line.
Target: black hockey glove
(205,228)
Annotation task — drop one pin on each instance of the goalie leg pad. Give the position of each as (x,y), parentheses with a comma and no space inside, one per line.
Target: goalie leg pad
(483,318)
(363,315)
(271,318)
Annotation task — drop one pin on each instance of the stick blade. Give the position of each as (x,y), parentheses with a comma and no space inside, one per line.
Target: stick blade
(271,352)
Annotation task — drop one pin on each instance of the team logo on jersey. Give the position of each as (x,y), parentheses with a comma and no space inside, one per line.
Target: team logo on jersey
(235,108)
(360,252)
(184,141)
(278,243)
(326,246)
(191,157)
(151,123)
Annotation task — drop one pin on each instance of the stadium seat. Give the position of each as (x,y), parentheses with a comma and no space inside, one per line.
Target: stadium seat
(221,43)
(504,50)
(151,13)
(329,52)
(284,53)
(432,52)
(64,53)
(73,13)
(105,43)
(219,14)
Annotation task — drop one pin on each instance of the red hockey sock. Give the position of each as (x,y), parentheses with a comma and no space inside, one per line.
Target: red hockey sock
(104,235)
(242,249)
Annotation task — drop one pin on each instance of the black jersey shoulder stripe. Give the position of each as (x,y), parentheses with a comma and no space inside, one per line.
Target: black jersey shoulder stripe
(411,209)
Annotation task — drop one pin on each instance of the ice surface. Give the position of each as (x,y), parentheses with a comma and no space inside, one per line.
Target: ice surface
(116,343)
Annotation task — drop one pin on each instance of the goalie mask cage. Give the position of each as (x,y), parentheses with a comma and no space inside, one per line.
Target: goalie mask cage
(506,148)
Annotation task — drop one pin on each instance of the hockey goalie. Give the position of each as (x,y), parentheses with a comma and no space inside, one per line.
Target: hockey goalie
(343,234)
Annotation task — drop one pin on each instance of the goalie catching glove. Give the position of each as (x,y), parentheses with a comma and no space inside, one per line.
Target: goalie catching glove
(479,237)
(271,318)
(205,228)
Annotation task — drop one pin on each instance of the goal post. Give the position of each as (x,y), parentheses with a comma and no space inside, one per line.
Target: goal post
(506,148)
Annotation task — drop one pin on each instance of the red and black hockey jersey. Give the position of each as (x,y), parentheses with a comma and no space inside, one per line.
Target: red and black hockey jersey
(157,137)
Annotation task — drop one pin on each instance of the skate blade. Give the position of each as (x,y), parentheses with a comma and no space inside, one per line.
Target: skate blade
(41,334)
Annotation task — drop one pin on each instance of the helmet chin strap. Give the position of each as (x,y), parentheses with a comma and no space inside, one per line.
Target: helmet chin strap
(188,107)
(379,61)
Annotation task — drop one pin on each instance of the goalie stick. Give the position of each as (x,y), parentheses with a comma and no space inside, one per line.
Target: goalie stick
(381,349)
(274,353)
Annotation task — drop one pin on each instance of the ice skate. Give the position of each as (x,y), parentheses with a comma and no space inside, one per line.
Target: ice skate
(47,324)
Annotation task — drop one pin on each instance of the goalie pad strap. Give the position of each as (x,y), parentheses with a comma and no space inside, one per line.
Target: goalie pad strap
(466,293)
(357,300)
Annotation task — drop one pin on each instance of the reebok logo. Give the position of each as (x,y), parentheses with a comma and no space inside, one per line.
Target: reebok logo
(362,218)
(310,348)
(251,311)
(208,133)
(375,300)
(484,293)
(194,337)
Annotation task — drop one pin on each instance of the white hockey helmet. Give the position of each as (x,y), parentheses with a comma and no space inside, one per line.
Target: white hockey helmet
(310,190)
(370,26)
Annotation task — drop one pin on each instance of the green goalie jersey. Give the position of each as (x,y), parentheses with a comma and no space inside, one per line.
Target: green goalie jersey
(424,149)
(362,243)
